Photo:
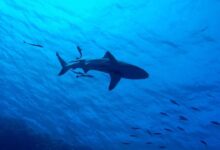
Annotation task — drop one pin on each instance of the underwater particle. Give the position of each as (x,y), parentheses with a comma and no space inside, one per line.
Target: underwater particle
(180,128)
(167,129)
(148,143)
(174,102)
(36,45)
(164,114)
(204,142)
(135,128)
(162,147)
(215,123)
(195,108)
(183,118)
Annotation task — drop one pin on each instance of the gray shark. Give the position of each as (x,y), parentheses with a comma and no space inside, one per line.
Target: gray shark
(107,64)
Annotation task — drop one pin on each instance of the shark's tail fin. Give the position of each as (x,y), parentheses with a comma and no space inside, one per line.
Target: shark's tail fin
(65,68)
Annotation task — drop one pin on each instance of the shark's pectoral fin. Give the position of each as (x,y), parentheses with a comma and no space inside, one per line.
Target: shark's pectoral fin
(85,70)
(115,78)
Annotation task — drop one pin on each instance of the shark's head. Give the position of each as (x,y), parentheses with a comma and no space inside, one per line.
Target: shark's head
(140,73)
(132,72)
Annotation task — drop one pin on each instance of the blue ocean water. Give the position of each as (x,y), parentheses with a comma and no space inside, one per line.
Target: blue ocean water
(176,42)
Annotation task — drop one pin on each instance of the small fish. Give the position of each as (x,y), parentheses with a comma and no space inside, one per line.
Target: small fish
(149,132)
(85,75)
(174,102)
(162,147)
(135,128)
(210,95)
(204,142)
(183,118)
(164,114)
(78,72)
(80,52)
(170,43)
(36,45)
(180,128)
(215,123)
(157,133)
(167,129)
(133,135)
(126,143)
(149,143)
(195,108)
(204,29)
(81,74)
(209,39)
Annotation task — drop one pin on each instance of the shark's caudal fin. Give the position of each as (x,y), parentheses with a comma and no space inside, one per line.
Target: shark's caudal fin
(63,64)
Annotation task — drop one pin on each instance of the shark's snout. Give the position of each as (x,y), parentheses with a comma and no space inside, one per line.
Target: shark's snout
(133,72)
(145,75)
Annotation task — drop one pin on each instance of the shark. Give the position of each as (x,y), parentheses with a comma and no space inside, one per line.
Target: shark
(107,64)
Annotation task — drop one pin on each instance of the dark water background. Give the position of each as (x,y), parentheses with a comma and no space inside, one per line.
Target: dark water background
(177,42)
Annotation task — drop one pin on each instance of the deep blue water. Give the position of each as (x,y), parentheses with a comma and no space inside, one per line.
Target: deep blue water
(176,42)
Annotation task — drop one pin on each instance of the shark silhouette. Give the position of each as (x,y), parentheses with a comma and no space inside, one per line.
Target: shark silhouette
(107,64)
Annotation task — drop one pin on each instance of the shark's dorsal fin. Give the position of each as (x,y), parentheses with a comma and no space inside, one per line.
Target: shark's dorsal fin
(115,78)
(110,56)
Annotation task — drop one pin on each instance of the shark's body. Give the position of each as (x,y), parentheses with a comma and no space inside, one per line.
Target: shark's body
(108,64)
